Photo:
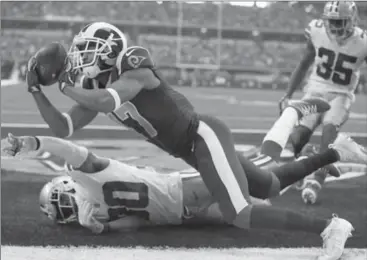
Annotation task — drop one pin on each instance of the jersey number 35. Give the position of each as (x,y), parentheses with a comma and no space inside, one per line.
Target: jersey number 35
(333,67)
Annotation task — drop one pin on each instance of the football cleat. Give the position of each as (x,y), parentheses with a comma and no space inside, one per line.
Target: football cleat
(349,150)
(334,237)
(310,192)
(309,106)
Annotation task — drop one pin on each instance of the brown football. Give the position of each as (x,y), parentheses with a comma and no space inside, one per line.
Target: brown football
(50,63)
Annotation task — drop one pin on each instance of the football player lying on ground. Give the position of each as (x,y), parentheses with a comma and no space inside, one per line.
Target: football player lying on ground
(103,194)
(125,84)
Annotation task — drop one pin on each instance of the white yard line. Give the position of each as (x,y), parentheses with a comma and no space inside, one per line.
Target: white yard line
(108,127)
(163,253)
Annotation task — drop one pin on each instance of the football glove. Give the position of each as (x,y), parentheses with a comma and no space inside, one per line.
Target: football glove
(283,103)
(32,76)
(13,145)
(67,77)
(86,217)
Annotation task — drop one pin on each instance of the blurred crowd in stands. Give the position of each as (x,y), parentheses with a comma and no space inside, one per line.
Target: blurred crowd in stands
(272,55)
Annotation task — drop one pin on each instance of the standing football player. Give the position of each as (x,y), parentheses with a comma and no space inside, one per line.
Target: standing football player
(338,49)
(125,84)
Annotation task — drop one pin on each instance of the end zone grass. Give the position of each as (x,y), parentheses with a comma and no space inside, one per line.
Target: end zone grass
(141,253)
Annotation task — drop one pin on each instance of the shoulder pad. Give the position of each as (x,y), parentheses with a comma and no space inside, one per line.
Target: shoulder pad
(362,33)
(312,27)
(135,57)
(362,36)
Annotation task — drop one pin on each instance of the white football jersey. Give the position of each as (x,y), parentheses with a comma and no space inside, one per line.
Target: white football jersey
(336,67)
(122,189)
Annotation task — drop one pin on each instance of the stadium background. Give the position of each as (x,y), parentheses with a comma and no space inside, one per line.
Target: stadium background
(227,59)
(201,44)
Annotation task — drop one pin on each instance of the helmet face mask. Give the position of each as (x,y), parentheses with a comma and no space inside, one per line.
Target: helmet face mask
(339,27)
(340,18)
(57,200)
(86,52)
(95,49)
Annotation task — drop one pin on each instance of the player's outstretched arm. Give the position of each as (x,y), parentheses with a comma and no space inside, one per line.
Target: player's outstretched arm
(77,156)
(300,72)
(63,124)
(87,219)
(77,118)
(122,90)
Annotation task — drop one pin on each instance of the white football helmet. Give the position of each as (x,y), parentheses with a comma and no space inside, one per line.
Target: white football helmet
(340,18)
(57,200)
(95,49)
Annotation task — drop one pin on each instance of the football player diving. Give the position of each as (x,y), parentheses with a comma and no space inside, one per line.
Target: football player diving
(337,48)
(125,84)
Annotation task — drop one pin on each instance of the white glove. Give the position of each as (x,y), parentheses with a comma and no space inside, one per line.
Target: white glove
(86,217)
(13,145)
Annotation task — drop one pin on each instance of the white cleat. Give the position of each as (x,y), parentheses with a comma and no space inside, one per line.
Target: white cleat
(310,192)
(349,150)
(334,237)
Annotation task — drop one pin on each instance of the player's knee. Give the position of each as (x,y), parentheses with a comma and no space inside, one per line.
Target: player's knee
(274,187)
(230,212)
(299,137)
(243,218)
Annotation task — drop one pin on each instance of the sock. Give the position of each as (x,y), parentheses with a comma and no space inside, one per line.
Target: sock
(329,134)
(320,175)
(299,138)
(295,171)
(260,181)
(277,137)
(265,217)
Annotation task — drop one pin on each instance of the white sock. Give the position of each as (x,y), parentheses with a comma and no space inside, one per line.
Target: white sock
(283,127)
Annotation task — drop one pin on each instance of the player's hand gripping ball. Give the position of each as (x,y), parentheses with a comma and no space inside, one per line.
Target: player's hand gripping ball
(47,65)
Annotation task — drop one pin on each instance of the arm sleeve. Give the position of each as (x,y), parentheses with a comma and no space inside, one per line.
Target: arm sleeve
(73,154)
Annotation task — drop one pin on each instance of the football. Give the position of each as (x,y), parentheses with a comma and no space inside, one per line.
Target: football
(50,62)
